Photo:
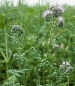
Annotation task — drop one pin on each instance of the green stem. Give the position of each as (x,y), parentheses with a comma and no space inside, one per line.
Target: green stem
(6,44)
(7,75)
(19,53)
(7,60)
(68,79)
(43,76)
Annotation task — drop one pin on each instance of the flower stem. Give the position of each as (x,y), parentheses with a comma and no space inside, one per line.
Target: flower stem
(7,75)
(7,60)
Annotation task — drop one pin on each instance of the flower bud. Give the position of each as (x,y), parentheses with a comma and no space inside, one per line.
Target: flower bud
(65,67)
(17,29)
(60,21)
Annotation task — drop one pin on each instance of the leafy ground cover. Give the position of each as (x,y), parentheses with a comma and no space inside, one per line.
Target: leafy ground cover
(32,49)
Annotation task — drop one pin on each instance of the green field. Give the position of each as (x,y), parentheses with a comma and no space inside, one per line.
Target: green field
(31,55)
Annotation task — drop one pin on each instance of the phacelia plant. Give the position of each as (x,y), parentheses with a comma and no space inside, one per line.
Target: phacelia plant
(55,11)
(17,29)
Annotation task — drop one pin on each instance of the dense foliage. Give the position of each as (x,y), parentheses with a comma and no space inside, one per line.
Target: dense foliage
(32,54)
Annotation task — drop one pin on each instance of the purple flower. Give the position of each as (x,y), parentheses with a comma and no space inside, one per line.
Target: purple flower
(47,15)
(57,10)
(60,21)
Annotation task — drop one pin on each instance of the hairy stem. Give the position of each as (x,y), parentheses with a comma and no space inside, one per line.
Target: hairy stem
(7,75)
(7,59)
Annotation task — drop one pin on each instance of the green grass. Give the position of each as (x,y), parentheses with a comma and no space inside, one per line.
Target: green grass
(29,59)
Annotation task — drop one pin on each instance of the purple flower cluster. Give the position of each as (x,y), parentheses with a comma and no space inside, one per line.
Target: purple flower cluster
(55,11)
(47,14)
